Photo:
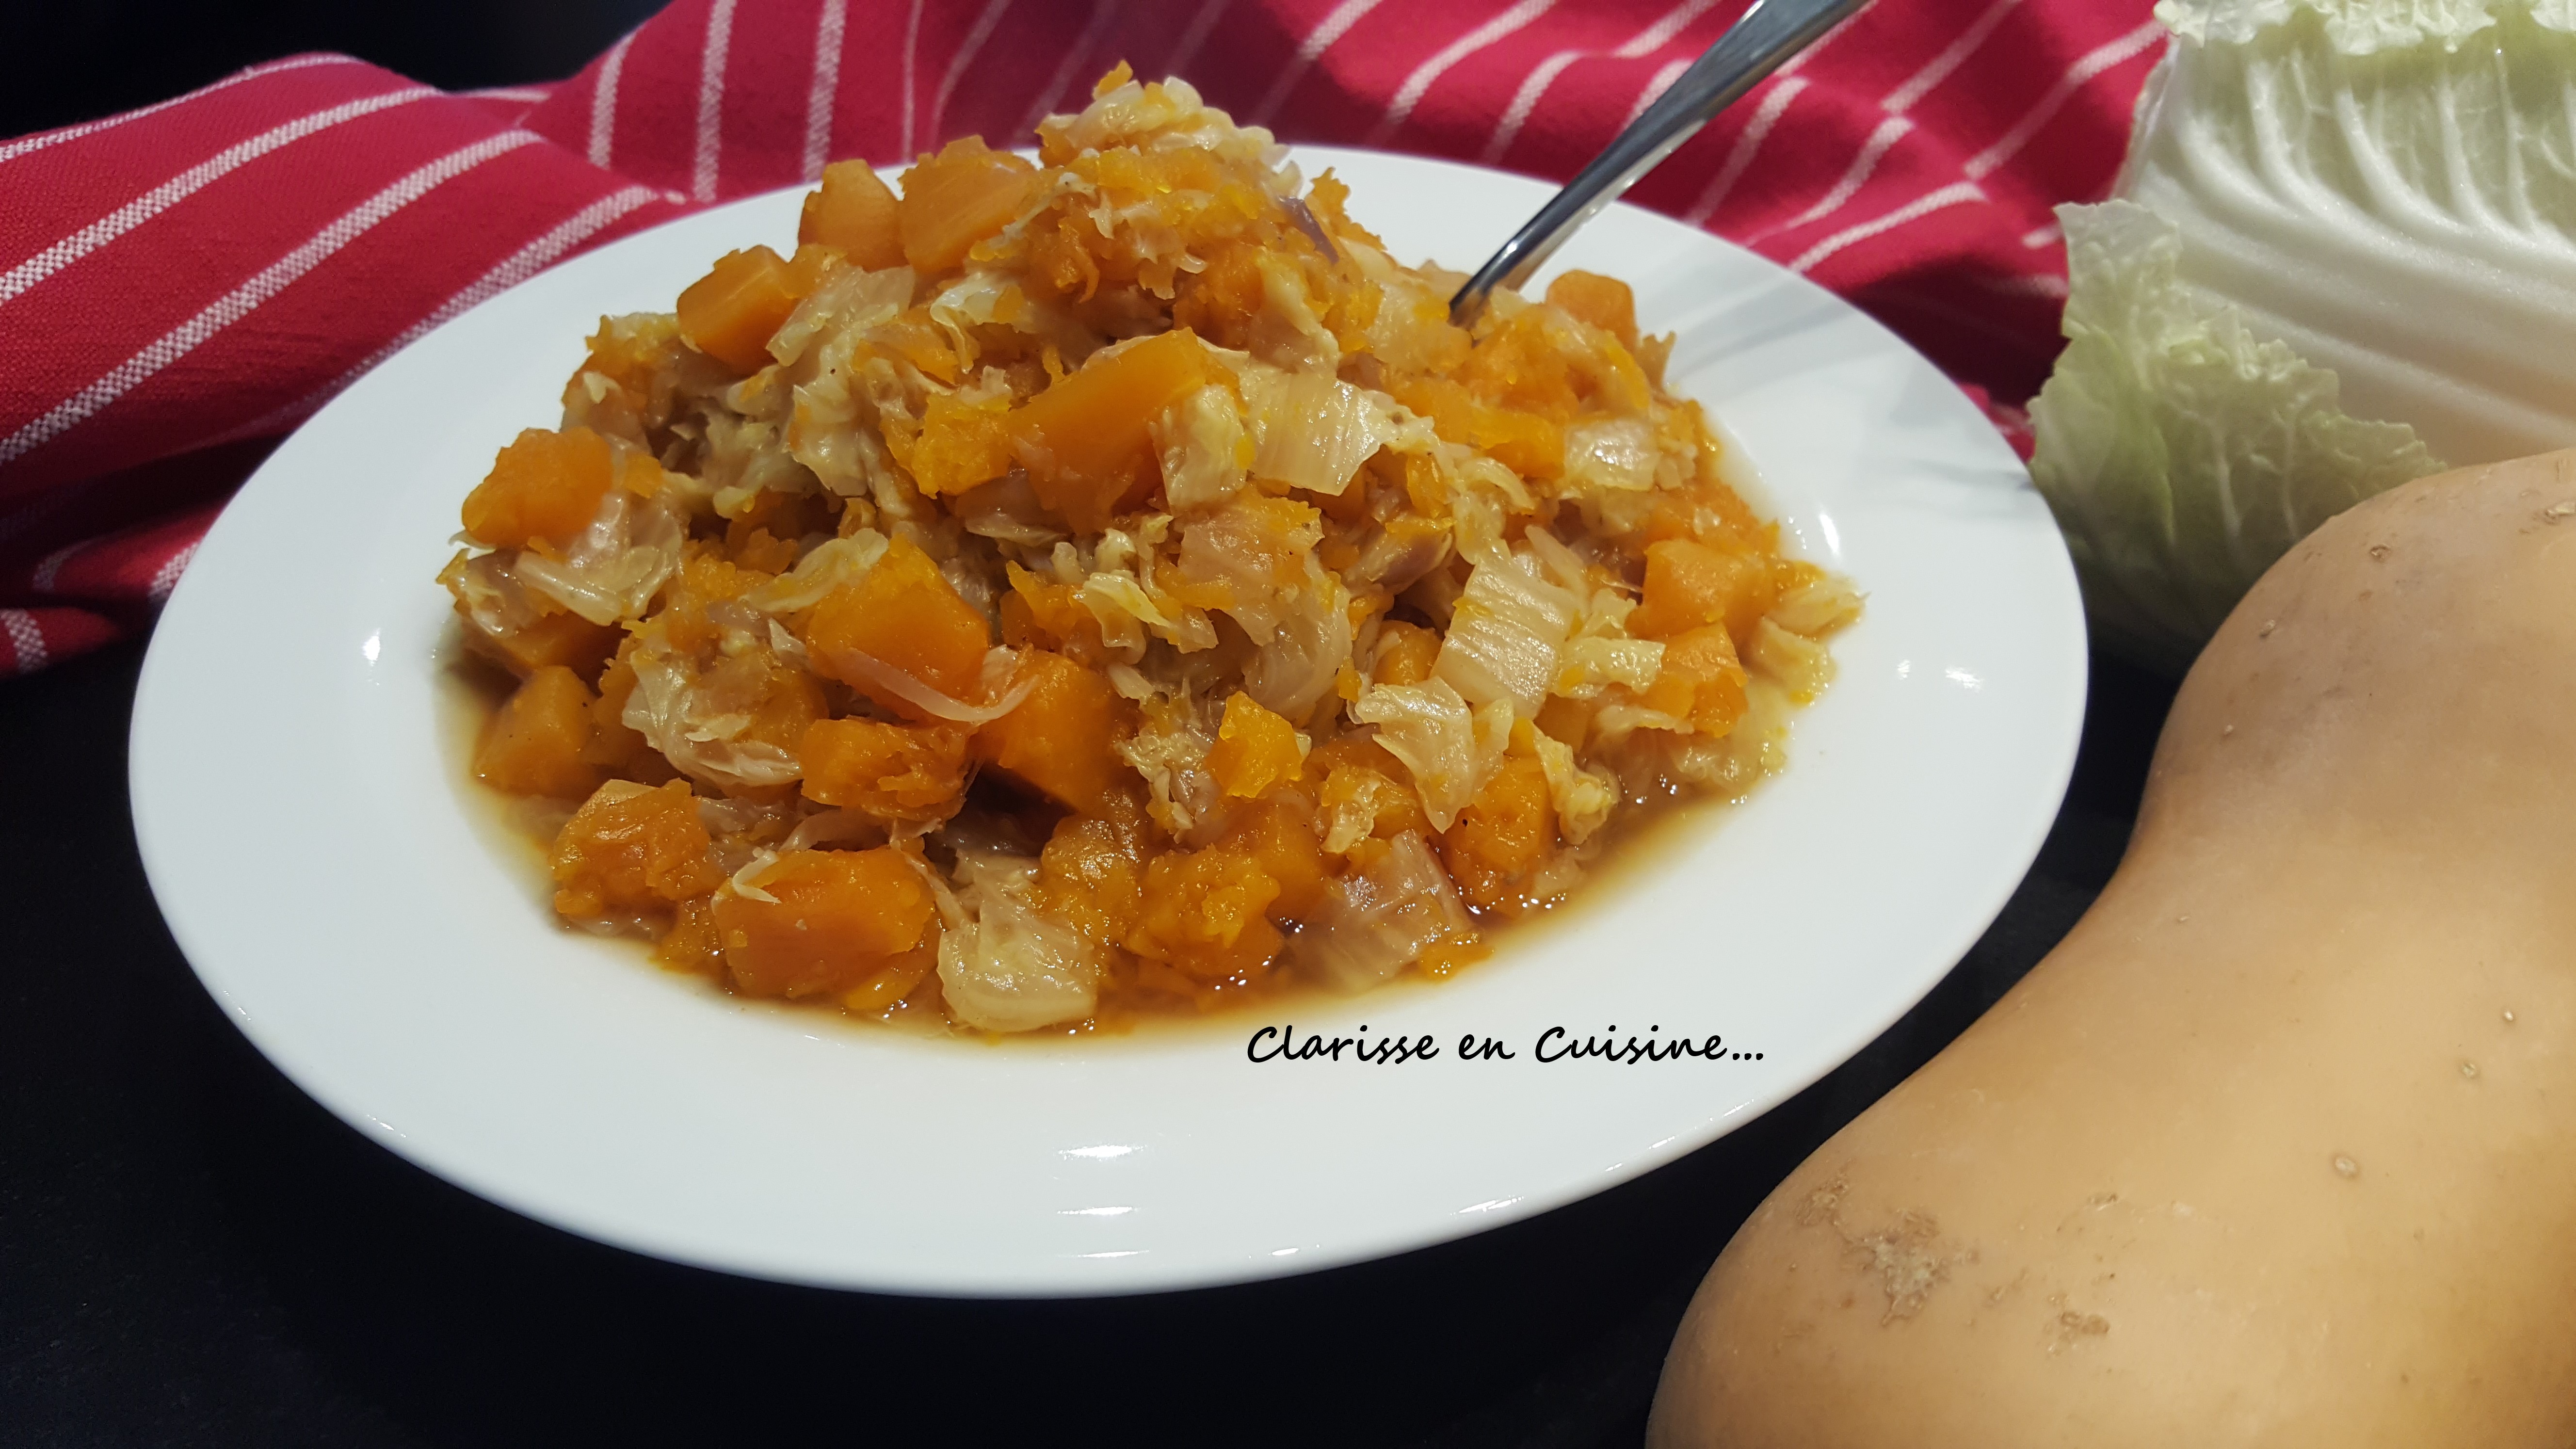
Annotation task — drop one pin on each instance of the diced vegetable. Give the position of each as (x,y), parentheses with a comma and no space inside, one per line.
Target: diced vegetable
(902,615)
(855,211)
(1088,441)
(900,772)
(731,313)
(630,848)
(1503,835)
(1605,302)
(961,444)
(1702,681)
(1205,913)
(564,638)
(832,920)
(1057,741)
(1279,837)
(1689,584)
(1255,749)
(1406,653)
(1299,588)
(1529,444)
(542,490)
(538,742)
(957,198)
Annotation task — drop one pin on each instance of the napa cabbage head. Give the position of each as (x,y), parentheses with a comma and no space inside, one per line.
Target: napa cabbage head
(2341,254)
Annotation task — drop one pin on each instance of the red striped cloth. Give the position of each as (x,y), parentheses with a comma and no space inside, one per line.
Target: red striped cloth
(180,285)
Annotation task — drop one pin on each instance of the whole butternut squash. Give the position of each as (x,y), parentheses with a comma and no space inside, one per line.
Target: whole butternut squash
(2275,1148)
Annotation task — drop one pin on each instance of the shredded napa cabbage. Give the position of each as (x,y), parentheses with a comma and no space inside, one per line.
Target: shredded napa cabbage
(1376,921)
(1506,634)
(1011,965)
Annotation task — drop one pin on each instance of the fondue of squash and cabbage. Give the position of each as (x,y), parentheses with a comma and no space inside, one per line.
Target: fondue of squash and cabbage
(1065,591)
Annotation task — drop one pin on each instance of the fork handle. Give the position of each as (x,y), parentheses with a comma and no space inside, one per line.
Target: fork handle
(1756,45)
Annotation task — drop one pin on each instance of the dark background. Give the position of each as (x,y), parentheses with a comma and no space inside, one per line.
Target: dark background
(191,1252)
(63,61)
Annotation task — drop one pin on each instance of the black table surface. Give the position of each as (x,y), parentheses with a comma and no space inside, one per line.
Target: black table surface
(193,1252)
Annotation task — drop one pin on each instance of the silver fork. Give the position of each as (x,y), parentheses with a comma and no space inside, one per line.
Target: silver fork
(1756,45)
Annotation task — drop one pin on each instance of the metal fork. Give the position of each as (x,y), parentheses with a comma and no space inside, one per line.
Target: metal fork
(1766,36)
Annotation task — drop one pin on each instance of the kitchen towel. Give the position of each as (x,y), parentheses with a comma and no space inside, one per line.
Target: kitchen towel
(182,284)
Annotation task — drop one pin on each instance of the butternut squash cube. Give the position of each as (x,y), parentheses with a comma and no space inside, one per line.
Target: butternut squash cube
(537,742)
(1689,584)
(1205,913)
(1280,838)
(629,848)
(1702,680)
(854,211)
(957,198)
(834,918)
(563,638)
(901,772)
(731,313)
(543,490)
(1058,741)
(1255,749)
(961,445)
(1604,302)
(904,616)
(1504,834)
(1087,440)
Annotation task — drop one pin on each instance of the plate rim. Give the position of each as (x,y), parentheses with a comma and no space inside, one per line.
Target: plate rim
(152,706)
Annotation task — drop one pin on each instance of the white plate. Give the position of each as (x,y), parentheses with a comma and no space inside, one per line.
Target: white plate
(321,867)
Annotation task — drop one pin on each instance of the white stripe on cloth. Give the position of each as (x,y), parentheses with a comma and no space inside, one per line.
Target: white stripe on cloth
(1201,26)
(1854,176)
(1492,32)
(1525,100)
(38,142)
(1102,12)
(26,641)
(166,577)
(1660,34)
(520,265)
(2028,284)
(1922,206)
(1309,50)
(530,94)
(966,49)
(1952,56)
(603,101)
(1740,157)
(247,298)
(2092,63)
(829,31)
(1534,86)
(1656,84)
(711,68)
(911,46)
(1785,85)
(2040,236)
(51,566)
(187,183)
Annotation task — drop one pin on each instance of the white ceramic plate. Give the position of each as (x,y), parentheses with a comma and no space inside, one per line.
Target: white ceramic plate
(324,871)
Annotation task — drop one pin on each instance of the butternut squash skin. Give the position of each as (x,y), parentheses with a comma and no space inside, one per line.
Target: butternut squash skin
(2274,1148)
